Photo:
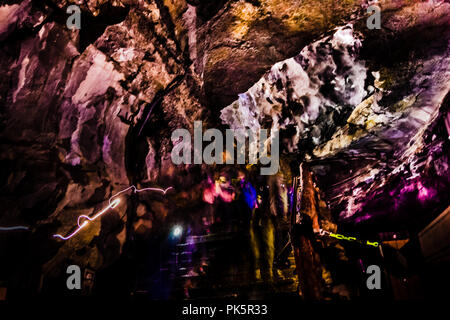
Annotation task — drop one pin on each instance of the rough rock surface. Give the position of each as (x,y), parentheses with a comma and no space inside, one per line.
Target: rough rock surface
(85,114)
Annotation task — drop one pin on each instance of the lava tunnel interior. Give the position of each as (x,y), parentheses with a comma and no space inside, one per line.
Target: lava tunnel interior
(242,149)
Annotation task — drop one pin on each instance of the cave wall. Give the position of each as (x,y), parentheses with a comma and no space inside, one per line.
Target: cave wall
(87,113)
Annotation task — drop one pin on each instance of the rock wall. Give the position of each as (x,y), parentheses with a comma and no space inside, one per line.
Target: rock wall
(86,113)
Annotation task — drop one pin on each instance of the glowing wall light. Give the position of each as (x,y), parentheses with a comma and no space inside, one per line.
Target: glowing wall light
(177,231)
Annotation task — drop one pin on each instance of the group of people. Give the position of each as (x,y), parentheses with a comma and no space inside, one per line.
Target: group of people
(276,214)
(259,206)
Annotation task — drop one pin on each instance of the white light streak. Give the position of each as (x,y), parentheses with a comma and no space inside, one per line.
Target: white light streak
(112,204)
(13,228)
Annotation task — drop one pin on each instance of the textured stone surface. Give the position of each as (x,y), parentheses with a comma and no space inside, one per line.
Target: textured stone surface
(84,114)
(246,38)
(339,100)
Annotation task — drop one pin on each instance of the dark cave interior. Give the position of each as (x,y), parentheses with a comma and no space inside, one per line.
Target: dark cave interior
(87,118)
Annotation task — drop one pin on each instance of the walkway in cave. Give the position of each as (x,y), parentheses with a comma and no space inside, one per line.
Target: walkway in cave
(215,266)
